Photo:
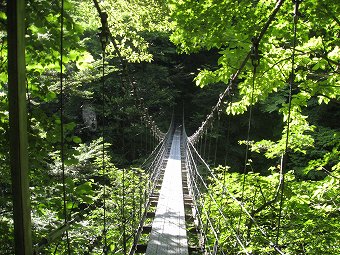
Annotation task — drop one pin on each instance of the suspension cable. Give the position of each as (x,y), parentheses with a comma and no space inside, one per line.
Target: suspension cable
(216,139)
(255,60)
(225,189)
(291,83)
(62,142)
(157,157)
(228,134)
(148,120)
(193,138)
(103,36)
(238,238)
(123,212)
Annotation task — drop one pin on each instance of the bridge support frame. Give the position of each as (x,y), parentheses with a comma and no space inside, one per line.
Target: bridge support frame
(18,126)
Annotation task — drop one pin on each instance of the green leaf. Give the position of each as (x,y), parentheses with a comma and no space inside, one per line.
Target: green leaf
(84,188)
(50,96)
(76,139)
(69,205)
(87,199)
(70,162)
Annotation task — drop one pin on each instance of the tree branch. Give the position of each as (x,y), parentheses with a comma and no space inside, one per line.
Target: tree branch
(331,14)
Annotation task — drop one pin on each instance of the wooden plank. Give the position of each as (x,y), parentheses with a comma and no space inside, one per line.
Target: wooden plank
(18,126)
(168,234)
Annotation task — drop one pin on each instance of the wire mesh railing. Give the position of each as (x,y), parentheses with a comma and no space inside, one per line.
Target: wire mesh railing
(153,165)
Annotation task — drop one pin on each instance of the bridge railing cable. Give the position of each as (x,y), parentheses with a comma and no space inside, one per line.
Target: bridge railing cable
(194,138)
(194,155)
(153,165)
(197,165)
(200,190)
(204,128)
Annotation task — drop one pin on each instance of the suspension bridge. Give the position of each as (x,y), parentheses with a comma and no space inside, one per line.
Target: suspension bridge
(178,201)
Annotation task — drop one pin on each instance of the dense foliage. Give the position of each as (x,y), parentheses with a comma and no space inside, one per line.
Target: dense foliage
(162,48)
(310,215)
(88,118)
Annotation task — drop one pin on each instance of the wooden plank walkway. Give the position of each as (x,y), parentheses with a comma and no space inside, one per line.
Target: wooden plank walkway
(168,234)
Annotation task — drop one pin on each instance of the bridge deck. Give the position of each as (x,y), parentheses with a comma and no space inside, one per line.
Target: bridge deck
(168,234)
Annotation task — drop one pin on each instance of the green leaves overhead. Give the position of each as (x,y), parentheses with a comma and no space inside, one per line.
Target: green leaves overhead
(229,26)
(209,24)
(43,36)
(128,22)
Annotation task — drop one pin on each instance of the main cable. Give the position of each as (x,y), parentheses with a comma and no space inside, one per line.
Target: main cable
(255,60)
(149,122)
(291,82)
(193,138)
(62,143)
(103,36)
